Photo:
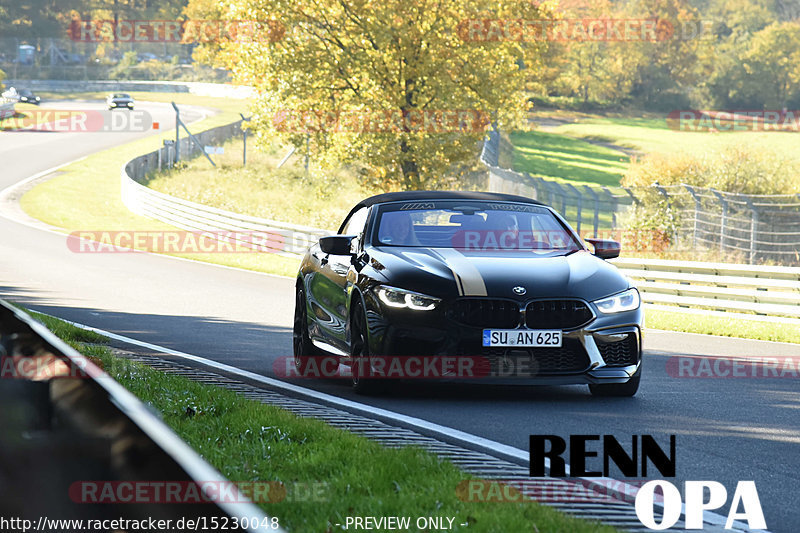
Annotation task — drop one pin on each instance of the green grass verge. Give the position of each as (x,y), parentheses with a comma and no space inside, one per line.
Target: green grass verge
(86,194)
(249,441)
(716,325)
(561,158)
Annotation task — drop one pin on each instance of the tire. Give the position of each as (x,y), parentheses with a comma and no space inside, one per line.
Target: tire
(359,352)
(619,390)
(302,347)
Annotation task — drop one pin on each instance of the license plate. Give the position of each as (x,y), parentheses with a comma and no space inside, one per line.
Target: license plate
(529,338)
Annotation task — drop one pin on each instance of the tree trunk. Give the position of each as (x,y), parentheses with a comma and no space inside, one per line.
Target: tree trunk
(411,179)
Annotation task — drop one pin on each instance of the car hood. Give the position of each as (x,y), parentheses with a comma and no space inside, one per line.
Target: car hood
(448,273)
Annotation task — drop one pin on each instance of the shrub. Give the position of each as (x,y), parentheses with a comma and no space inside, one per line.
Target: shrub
(736,169)
(654,223)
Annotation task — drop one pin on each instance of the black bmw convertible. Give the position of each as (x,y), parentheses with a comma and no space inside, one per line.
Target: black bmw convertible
(467,285)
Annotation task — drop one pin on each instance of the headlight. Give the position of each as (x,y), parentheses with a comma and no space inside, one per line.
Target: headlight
(401,298)
(624,301)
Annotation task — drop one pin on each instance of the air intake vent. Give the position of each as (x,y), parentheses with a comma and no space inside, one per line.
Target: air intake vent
(557,314)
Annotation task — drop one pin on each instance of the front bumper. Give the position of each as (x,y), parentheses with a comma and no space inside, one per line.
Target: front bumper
(605,350)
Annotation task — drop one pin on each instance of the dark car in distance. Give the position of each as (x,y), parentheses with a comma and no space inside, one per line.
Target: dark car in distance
(498,278)
(23,96)
(119,101)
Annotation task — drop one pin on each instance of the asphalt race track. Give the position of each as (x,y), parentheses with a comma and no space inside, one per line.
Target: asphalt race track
(727,429)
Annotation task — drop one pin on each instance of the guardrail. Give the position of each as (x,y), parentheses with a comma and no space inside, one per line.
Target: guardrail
(219,90)
(69,428)
(282,238)
(771,292)
(7,108)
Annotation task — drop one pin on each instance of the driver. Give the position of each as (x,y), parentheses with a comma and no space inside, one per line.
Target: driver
(397,228)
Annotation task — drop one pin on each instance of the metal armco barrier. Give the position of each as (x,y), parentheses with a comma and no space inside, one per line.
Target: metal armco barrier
(285,239)
(771,292)
(65,422)
(218,90)
(7,108)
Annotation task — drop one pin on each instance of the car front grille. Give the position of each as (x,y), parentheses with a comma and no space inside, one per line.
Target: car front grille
(570,358)
(620,353)
(485,313)
(557,314)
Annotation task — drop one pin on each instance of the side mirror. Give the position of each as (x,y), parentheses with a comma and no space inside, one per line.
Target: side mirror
(605,249)
(336,244)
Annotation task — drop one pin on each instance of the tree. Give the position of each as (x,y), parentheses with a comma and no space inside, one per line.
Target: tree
(770,63)
(596,69)
(359,77)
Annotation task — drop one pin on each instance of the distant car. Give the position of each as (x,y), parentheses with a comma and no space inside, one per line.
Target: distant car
(23,96)
(120,100)
(499,278)
(26,96)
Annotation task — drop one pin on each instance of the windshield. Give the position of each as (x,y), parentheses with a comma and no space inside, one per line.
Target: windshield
(121,95)
(473,226)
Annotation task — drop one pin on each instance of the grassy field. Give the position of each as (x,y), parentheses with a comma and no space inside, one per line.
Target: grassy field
(554,156)
(651,135)
(564,151)
(248,441)
(86,194)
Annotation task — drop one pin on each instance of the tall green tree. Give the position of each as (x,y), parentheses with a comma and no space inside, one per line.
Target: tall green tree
(392,58)
(770,64)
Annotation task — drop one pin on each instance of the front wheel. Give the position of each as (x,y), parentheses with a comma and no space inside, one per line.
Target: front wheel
(359,354)
(304,350)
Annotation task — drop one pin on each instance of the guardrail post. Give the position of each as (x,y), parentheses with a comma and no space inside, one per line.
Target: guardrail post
(596,217)
(541,190)
(723,220)
(753,229)
(696,211)
(177,133)
(614,206)
(579,202)
(244,139)
(553,185)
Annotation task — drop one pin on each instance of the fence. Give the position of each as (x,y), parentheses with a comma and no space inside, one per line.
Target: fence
(756,228)
(284,238)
